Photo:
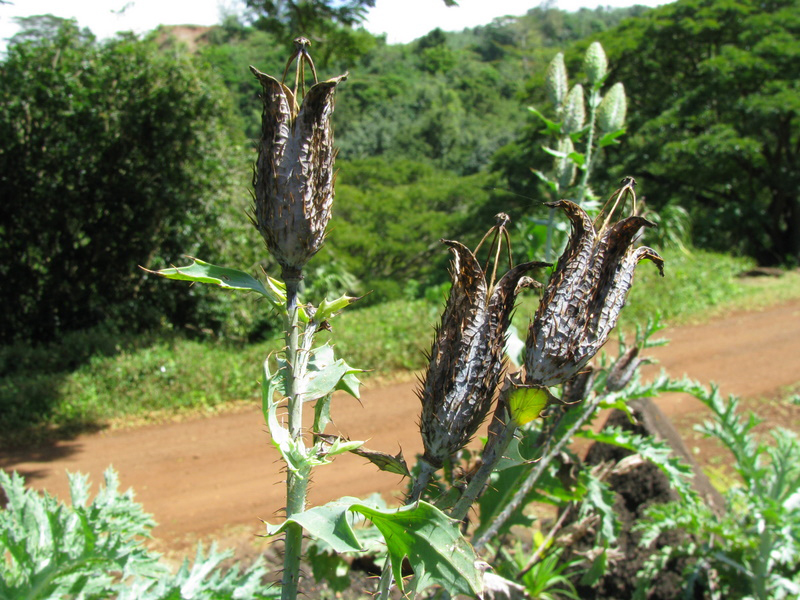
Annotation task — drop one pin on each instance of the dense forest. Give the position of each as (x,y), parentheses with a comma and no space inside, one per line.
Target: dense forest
(138,151)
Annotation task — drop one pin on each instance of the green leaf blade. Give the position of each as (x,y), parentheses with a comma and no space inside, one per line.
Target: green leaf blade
(232,279)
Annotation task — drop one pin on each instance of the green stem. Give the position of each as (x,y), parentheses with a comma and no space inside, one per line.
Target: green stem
(426,470)
(587,166)
(547,457)
(385,585)
(296,483)
(494,451)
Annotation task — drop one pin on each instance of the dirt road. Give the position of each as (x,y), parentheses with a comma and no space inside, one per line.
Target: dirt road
(218,476)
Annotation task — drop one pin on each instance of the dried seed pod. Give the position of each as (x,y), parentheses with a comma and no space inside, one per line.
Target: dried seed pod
(574,111)
(623,370)
(294,172)
(466,359)
(612,109)
(579,387)
(582,301)
(556,80)
(595,63)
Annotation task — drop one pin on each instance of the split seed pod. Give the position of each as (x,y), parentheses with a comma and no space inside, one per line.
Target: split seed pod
(466,359)
(583,300)
(294,172)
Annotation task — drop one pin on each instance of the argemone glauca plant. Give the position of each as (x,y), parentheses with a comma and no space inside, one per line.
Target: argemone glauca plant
(572,130)
(294,193)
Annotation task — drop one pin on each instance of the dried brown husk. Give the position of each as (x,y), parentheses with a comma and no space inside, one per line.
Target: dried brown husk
(466,359)
(583,300)
(294,173)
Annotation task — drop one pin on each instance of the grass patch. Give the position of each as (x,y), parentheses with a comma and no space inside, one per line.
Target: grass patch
(92,378)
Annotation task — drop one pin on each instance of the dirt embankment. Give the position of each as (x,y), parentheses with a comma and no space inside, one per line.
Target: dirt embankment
(217,476)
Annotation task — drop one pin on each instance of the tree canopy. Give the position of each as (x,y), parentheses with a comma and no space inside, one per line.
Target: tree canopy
(111,156)
(715,99)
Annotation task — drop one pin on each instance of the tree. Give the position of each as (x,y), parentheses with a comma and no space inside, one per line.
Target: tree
(715,93)
(110,155)
(299,16)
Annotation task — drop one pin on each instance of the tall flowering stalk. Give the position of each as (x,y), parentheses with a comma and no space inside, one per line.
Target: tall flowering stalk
(586,120)
(293,183)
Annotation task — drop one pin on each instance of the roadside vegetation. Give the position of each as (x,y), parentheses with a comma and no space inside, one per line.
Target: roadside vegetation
(97,378)
(120,159)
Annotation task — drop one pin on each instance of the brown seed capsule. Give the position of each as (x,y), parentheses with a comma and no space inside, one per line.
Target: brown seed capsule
(467,355)
(583,300)
(294,175)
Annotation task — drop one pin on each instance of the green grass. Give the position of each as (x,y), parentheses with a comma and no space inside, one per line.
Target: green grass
(92,378)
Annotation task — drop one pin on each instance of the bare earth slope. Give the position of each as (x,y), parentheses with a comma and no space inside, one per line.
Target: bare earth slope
(218,476)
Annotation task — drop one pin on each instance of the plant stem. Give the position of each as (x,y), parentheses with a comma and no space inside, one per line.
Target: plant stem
(296,483)
(548,243)
(530,481)
(426,470)
(545,543)
(587,166)
(385,585)
(420,484)
(501,433)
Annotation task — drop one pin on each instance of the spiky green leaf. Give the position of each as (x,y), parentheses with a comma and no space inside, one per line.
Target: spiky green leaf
(429,539)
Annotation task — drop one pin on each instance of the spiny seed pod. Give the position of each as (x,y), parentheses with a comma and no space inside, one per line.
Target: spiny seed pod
(584,297)
(623,370)
(556,80)
(294,172)
(466,359)
(595,63)
(565,168)
(612,109)
(574,111)
(579,387)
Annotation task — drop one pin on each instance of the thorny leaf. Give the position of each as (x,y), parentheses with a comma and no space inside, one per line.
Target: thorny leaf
(432,542)
(385,462)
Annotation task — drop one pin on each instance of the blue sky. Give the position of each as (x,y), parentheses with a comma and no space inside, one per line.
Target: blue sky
(401,20)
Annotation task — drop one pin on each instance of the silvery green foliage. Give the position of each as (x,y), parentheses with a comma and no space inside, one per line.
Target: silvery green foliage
(80,550)
(556,81)
(612,109)
(752,550)
(95,550)
(204,579)
(595,63)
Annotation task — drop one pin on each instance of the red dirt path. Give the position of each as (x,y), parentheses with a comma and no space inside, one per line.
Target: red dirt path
(216,476)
